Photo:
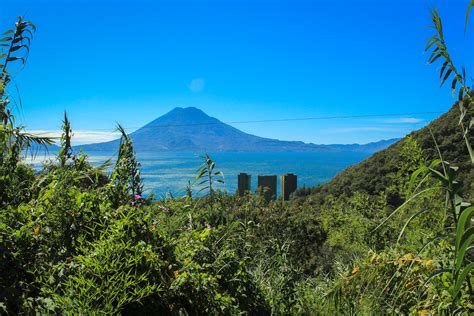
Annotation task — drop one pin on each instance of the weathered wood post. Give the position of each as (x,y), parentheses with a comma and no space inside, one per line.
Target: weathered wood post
(288,185)
(267,186)
(243,180)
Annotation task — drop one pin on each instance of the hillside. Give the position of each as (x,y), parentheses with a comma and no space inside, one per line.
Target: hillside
(192,130)
(373,174)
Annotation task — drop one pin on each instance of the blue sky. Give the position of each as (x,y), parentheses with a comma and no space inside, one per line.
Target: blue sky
(132,61)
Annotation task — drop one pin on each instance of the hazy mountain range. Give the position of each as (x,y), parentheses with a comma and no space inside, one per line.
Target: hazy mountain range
(192,130)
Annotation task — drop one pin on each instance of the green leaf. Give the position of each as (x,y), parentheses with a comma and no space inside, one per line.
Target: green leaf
(16,58)
(431,41)
(462,276)
(402,206)
(461,94)
(469,148)
(432,60)
(446,76)
(415,175)
(466,242)
(443,68)
(32,25)
(438,175)
(19,39)
(439,236)
(468,11)
(463,220)
(439,272)
(453,84)
(408,222)
(17,47)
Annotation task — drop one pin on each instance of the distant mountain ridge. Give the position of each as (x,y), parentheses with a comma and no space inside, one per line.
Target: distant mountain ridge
(369,147)
(192,130)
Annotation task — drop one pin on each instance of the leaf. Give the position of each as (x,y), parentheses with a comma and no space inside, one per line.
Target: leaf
(432,41)
(469,148)
(415,175)
(21,39)
(438,175)
(401,206)
(32,25)
(438,236)
(461,94)
(453,84)
(460,280)
(439,272)
(443,68)
(468,11)
(432,60)
(16,58)
(467,241)
(408,222)
(463,220)
(419,171)
(446,76)
(17,47)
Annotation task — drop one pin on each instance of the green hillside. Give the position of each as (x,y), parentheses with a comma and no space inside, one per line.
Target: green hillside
(375,174)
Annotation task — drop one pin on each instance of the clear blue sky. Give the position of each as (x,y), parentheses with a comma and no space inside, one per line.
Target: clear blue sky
(132,61)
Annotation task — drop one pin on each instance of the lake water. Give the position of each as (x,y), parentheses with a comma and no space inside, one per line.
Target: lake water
(170,172)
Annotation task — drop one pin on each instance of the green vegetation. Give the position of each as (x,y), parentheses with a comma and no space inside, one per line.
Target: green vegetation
(375,174)
(393,234)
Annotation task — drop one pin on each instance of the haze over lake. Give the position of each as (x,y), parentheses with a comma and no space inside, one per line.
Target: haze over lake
(169,172)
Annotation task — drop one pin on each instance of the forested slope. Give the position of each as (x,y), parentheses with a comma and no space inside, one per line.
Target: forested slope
(375,174)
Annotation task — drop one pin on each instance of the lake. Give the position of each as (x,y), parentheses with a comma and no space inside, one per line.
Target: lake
(169,172)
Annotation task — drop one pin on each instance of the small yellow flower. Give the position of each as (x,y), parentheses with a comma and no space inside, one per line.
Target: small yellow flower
(176,273)
(36,229)
(423,312)
(355,270)
(374,259)
(408,257)
(428,263)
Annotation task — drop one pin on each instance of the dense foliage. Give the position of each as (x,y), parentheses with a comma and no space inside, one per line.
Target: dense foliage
(390,235)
